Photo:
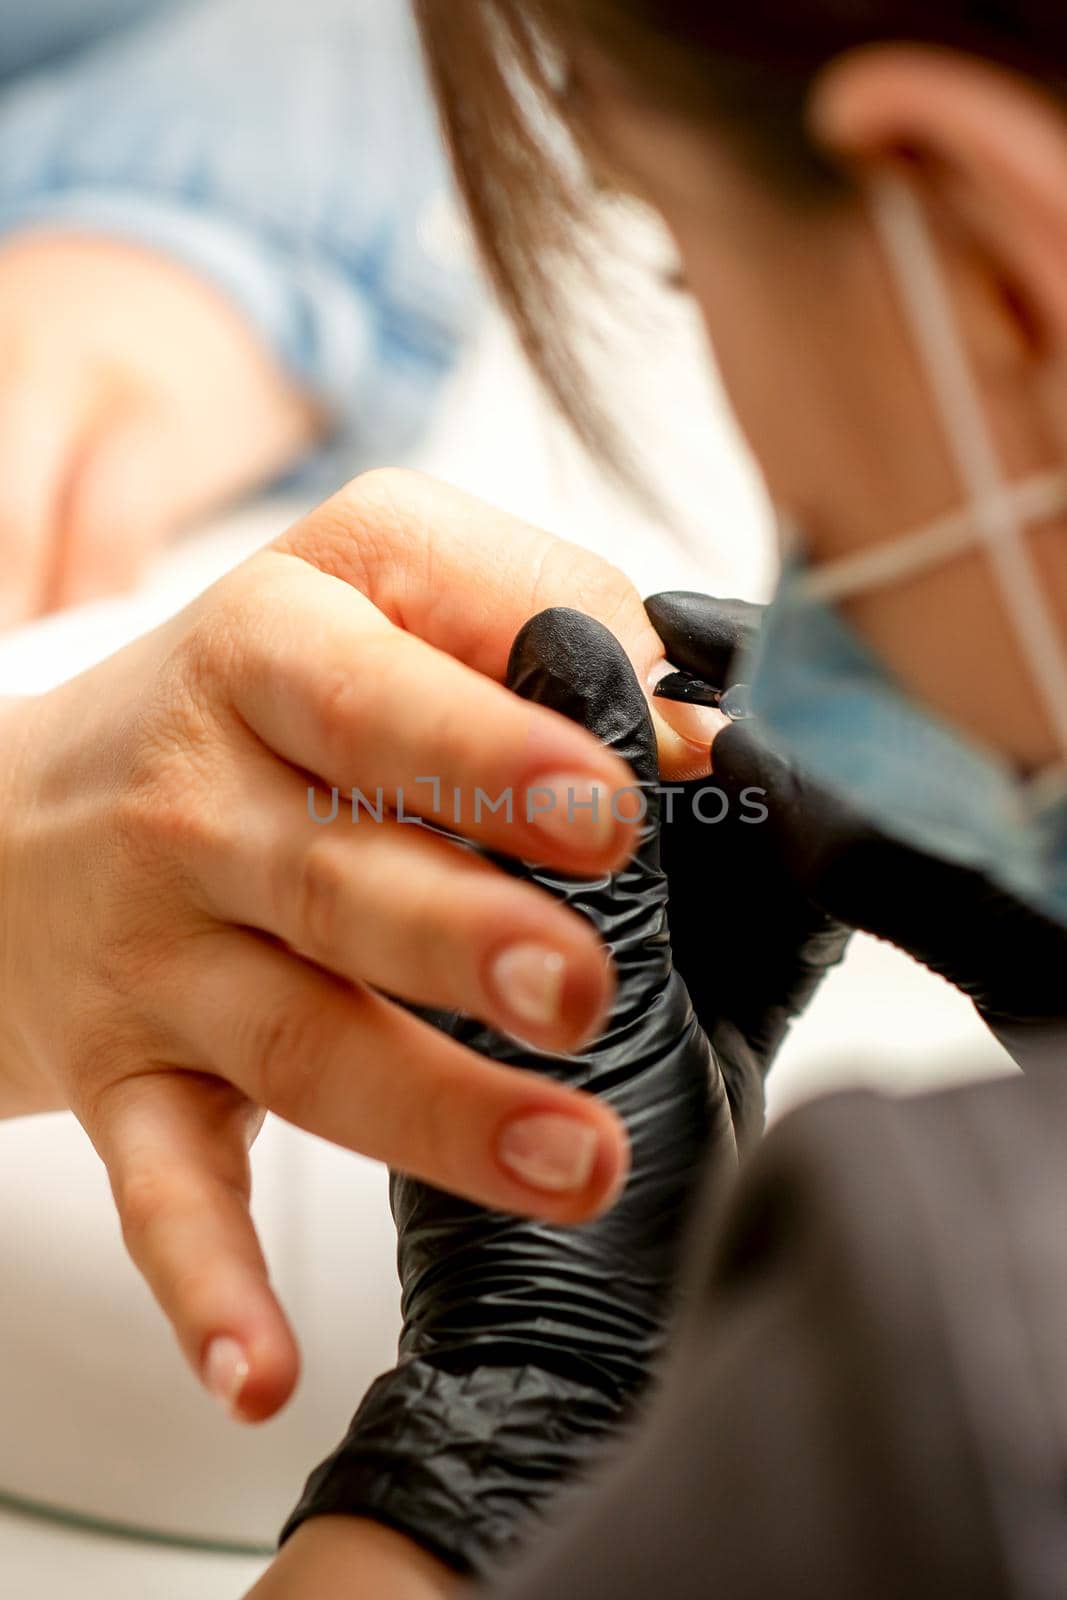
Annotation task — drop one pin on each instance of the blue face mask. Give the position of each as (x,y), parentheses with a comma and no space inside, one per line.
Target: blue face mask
(823,697)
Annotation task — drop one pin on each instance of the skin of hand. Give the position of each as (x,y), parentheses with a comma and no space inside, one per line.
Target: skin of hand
(182,947)
(133,397)
(340,1558)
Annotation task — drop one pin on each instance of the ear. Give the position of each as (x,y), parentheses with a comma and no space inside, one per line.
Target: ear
(987,146)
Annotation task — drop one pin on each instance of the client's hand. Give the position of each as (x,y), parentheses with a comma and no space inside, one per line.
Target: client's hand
(132,397)
(181,945)
(524,1344)
(1008,959)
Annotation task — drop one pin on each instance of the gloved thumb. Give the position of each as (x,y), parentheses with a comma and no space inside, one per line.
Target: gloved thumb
(704,636)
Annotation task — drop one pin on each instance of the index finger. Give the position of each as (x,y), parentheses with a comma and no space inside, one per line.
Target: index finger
(382,716)
(466,577)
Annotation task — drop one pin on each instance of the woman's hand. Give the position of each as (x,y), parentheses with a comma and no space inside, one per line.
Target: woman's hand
(526,1347)
(133,397)
(181,945)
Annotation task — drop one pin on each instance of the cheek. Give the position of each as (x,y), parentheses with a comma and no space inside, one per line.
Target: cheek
(764,358)
(814,378)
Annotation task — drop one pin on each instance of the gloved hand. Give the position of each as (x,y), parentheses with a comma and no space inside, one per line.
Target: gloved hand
(749,939)
(1009,960)
(525,1343)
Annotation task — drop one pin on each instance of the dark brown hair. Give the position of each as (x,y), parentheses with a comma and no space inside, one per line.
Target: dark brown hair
(500,72)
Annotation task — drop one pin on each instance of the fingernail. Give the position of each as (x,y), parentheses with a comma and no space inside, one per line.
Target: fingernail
(528,979)
(226,1372)
(547,1151)
(571,809)
(695,724)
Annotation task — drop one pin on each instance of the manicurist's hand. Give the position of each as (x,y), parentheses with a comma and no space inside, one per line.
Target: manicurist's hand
(337,1558)
(133,397)
(181,945)
(824,861)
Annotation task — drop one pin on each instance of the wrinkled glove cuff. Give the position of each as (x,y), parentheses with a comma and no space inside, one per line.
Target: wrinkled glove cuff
(442,1456)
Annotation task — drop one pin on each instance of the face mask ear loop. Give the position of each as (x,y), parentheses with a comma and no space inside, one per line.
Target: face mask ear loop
(926,301)
(911,554)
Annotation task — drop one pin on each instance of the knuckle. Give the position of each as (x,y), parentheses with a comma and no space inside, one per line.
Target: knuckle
(224,627)
(347,700)
(441,941)
(169,806)
(321,900)
(366,531)
(233,639)
(288,1048)
(594,585)
(206,656)
(144,1196)
(340,708)
(163,816)
(91,1063)
(382,489)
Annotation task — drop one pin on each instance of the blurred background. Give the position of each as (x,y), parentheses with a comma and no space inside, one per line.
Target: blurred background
(275,169)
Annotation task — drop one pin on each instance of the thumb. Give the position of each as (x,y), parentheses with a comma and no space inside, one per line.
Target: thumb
(705,636)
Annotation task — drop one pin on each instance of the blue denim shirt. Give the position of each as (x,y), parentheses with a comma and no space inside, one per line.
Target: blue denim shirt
(286,149)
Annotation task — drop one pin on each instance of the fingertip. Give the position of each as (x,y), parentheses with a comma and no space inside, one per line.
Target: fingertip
(578,802)
(552,989)
(566,1162)
(609,1174)
(250,1373)
(587,997)
(271,1383)
(626,843)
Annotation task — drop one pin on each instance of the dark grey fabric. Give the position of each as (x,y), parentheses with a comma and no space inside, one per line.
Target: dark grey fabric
(869,1401)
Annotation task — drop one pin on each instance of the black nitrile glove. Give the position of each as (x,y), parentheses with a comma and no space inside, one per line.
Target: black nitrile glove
(525,1343)
(1009,960)
(751,942)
